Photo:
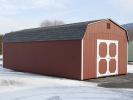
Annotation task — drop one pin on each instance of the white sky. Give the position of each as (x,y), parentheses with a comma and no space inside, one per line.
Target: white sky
(19,14)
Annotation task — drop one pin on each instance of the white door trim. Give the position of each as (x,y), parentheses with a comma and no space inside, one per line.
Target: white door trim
(107,58)
(82,70)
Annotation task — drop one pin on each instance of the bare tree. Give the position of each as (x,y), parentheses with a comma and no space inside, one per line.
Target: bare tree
(47,23)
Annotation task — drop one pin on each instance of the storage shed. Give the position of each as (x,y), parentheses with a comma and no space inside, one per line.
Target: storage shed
(78,51)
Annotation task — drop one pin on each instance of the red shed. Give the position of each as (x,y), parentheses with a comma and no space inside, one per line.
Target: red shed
(78,51)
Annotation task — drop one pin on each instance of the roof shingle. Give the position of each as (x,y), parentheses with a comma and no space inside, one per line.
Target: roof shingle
(62,32)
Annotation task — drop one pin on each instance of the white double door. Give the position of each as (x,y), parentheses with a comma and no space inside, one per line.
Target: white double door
(107,57)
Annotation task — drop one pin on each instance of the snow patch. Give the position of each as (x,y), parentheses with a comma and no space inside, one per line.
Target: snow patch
(130,68)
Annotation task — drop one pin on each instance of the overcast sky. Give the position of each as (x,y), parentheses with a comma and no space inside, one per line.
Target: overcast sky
(21,14)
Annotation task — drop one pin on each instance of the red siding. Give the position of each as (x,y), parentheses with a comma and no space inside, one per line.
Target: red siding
(56,58)
(99,31)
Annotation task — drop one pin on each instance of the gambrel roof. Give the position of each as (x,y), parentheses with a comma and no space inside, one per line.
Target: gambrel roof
(74,31)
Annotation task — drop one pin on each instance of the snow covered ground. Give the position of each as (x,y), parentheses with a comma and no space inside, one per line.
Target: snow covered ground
(25,86)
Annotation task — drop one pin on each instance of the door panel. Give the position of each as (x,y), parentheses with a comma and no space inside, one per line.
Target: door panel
(107,57)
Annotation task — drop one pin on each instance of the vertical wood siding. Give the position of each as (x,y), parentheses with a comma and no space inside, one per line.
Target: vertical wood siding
(55,58)
(99,31)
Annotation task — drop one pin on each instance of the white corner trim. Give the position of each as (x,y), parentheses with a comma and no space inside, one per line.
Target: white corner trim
(82,60)
(97,21)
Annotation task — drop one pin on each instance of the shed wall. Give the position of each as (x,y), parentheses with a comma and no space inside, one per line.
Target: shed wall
(96,31)
(56,58)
